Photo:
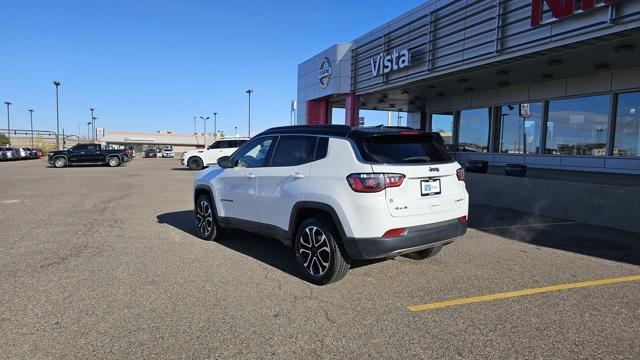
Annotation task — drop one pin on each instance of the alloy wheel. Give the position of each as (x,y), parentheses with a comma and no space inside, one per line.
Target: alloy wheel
(314,251)
(204,218)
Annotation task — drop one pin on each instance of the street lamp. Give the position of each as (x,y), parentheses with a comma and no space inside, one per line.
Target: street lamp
(205,130)
(56,83)
(93,126)
(31,118)
(236,129)
(249,129)
(215,124)
(8,121)
(88,130)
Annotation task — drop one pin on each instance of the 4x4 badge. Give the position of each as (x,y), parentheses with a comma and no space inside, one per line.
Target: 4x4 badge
(434,169)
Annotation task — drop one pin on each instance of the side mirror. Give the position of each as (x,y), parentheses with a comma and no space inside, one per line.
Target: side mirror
(224,162)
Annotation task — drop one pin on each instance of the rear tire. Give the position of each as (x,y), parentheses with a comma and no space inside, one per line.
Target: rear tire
(207,225)
(195,163)
(59,162)
(424,254)
(318,255)
(113,161)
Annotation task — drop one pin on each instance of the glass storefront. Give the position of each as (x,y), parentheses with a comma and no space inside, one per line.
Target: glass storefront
(578,126)
(474,130)
(443,124)
(627,134)
(520,128)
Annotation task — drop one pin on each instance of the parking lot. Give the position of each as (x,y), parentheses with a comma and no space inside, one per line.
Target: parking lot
(101,262)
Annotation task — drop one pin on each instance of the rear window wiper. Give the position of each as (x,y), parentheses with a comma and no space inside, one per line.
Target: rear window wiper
(417,159)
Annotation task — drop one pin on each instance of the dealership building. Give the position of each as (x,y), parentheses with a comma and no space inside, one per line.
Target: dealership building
(551,84)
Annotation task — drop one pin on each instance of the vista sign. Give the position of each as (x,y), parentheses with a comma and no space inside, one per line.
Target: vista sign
(561,8)
(388,62)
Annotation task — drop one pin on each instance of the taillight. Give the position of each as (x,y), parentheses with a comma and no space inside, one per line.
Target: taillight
(371,183)
(462,219)
(395,233)
(460,174)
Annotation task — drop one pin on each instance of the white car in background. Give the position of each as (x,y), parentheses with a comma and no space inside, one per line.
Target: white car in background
(167,152)
(199,158)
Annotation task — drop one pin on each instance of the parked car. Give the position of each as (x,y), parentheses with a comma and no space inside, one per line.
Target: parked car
(15,153)
(167,152)
(337,194)
(86,154)
(150,153)
(40,153)
(23,153)
(6,154)
(199,158)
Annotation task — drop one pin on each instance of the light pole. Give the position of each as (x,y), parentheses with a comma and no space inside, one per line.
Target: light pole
(88,130)
(31,118)
(8,122)
(236,129)
(215,124)
(93,126)
(249,128)
(205,130)
(56,83)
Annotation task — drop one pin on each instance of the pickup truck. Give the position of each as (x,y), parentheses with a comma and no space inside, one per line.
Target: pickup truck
(86,154)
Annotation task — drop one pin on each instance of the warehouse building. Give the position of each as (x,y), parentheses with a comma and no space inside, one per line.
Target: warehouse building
(551,84)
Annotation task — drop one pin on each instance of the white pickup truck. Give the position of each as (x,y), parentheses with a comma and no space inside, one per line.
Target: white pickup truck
(199,158)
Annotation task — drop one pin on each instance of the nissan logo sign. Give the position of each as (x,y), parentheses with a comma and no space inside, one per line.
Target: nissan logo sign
(325,72)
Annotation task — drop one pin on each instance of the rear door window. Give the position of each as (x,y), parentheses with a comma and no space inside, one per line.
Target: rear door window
(294,150)
(403,149)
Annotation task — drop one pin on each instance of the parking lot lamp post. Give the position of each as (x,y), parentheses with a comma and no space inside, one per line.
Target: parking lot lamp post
(215,124)
(31,119)
(205,130)
(249,128)
(93,128)
(8,122)
(236,129)
(56,83)
(88,130)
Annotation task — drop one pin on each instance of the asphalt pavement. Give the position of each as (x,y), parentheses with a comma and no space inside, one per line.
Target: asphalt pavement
(99,262)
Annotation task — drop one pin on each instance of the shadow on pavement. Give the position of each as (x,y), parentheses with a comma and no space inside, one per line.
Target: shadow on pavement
(591,240)
(267,250)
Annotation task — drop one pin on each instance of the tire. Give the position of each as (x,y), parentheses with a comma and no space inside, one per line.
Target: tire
(59,162)
(424,254)
(195,163)
(113,161)
(207,225)
(318,255)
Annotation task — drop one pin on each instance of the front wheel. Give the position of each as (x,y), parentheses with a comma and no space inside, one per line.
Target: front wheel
(208,228)
(318,255)
(113,161)
(60,162)
(195,163)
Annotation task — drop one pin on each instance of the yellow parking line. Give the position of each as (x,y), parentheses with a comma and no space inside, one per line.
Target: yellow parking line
(510,294)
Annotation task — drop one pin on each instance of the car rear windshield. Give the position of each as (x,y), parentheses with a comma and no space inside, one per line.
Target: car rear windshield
(402,149)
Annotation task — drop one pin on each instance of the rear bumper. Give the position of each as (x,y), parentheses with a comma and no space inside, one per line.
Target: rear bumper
(417,238)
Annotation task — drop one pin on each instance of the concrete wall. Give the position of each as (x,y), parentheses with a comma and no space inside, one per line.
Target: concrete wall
(615,206)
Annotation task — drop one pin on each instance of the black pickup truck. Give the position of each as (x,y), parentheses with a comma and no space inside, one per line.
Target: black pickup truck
(86,154)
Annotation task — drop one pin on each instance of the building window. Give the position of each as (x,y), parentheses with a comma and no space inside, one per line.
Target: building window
(474,130)
(627,135)
(578,126)
(520,128)
(443,124)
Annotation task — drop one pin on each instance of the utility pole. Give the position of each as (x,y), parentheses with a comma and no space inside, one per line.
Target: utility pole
(249,128)
(215,124)
(56,83)
(8,122)
(31,118)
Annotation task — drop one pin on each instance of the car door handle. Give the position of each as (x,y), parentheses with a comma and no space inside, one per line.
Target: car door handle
(251,176)
(296,176)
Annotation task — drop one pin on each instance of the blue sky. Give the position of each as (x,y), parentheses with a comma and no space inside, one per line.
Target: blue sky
(151,65)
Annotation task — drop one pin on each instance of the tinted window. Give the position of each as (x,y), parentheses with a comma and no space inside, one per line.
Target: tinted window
(399,149)
(80,147)
(474,130)
(578,126)
(627,135)
(221,145)
(443,124)
(520,128)
(254,154)
(321,148)
(294,150)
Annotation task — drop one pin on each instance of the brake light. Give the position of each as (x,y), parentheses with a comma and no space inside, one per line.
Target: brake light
(462,219)
(395,233)
(460,174)
(371,182)
(408,132)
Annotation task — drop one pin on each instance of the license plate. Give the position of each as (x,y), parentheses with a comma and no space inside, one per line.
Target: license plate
(430,187)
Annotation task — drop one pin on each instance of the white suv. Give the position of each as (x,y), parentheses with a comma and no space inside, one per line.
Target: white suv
(335,194)
(199,158)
